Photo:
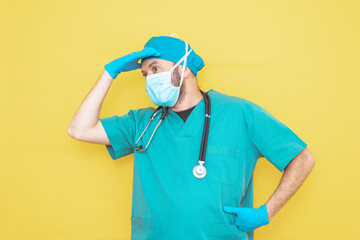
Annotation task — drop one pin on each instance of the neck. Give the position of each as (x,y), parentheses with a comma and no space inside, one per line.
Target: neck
(189,98)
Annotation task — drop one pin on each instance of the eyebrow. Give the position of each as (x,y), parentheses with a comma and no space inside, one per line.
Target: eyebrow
(150,65)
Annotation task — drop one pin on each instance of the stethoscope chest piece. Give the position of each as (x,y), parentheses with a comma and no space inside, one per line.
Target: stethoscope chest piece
(199,171)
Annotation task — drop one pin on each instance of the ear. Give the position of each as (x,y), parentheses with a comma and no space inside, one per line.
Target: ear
(186,72)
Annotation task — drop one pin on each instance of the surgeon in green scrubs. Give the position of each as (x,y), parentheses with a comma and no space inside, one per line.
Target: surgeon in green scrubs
(168,201)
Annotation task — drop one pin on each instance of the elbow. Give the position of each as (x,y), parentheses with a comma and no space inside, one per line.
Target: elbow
(309,158)
(72,133)
(69,132)
(311,162)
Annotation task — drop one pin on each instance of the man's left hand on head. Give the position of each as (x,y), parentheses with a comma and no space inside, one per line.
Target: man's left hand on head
(248,219)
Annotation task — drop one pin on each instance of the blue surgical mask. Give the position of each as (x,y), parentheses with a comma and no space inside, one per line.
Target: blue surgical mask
(159,87)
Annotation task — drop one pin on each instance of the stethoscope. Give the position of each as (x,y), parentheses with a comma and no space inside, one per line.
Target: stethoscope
(199,170)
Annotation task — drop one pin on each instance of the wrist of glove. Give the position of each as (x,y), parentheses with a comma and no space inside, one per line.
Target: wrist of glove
(248,219)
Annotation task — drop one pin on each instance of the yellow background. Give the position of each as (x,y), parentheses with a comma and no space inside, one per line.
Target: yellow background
(297,59)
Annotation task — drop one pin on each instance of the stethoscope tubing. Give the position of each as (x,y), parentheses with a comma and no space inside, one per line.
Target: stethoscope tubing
(164,112)
(206,127)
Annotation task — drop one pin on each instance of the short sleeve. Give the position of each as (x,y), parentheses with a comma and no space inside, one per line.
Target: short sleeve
(121,132)
(275,141)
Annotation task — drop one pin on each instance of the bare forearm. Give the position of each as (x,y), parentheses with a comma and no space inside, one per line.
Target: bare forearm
(294,175)
(88,113)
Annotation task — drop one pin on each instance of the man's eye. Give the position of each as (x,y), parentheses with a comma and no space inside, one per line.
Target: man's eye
(155,67)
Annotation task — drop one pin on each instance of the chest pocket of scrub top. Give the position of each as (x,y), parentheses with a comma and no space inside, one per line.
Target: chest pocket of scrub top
(142,229)
(223,164)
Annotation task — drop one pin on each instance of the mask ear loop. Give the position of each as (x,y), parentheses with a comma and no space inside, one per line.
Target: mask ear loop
(184,66)
(182,59)
(185,56)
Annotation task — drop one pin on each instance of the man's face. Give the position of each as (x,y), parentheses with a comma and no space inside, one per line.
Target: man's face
(156,65)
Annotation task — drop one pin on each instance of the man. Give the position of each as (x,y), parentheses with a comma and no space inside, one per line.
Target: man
(169,202)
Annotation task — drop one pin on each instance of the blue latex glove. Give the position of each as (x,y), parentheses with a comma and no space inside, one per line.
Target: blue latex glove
(248,219)
(129,62)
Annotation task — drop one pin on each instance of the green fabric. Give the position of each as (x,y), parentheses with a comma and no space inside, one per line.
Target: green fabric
(168,202)
(173,49)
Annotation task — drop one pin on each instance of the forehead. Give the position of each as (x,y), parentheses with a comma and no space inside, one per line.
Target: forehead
(158,61)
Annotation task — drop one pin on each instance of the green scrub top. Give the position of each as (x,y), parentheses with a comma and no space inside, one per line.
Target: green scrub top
(168,202)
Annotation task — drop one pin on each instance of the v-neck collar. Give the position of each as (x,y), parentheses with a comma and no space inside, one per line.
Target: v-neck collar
(193,123)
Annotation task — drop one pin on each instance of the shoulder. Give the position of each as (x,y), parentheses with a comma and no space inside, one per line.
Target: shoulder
(142,113)
(223,100)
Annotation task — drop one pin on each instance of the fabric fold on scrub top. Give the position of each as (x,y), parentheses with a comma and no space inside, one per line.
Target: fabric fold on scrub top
(168,202)
(121,132)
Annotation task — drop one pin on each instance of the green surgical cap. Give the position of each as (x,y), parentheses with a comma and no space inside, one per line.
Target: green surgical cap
(173,49)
